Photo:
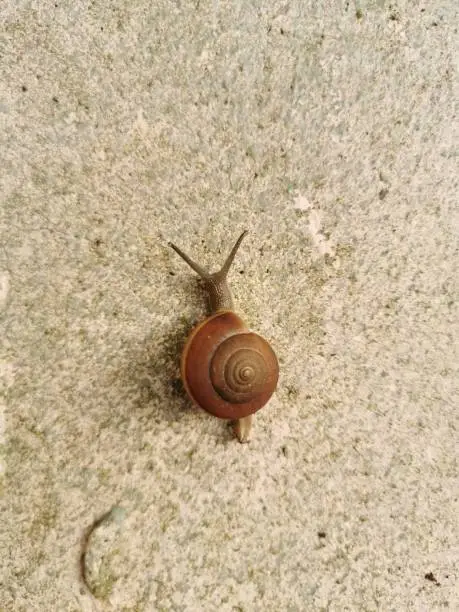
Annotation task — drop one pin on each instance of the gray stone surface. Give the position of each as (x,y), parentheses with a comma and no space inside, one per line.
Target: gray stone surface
(328,129)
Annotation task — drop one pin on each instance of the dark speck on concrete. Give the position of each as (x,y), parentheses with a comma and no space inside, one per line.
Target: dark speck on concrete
(431,577)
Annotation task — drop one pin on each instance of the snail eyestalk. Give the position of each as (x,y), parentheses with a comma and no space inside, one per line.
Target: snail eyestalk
(229,260)
(196,267)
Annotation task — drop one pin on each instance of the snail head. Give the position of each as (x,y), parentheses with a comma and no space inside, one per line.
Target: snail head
(215,283)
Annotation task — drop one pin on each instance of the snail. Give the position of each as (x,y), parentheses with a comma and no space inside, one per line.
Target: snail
(226,369)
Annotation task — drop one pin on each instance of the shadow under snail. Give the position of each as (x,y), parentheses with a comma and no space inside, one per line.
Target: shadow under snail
(226,369)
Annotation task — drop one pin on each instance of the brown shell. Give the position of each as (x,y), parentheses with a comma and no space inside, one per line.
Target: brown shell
(227,370)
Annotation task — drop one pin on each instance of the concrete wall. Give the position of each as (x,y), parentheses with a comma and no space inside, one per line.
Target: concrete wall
(327,129)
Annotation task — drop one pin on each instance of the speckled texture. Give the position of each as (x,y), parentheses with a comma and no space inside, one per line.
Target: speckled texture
(328,130)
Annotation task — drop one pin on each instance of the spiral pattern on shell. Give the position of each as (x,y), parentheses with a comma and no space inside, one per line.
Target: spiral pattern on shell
(227,370)
(239,369)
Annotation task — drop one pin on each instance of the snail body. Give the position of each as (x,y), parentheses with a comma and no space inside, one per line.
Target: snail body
(226,369)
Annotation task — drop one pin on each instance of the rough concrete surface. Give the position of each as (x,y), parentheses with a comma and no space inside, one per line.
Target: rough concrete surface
(328,129)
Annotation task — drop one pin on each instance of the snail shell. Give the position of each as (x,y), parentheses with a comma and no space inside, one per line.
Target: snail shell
(227,370)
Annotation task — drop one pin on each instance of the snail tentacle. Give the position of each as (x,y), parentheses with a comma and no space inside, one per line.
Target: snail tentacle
(229,260)
(196,267)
